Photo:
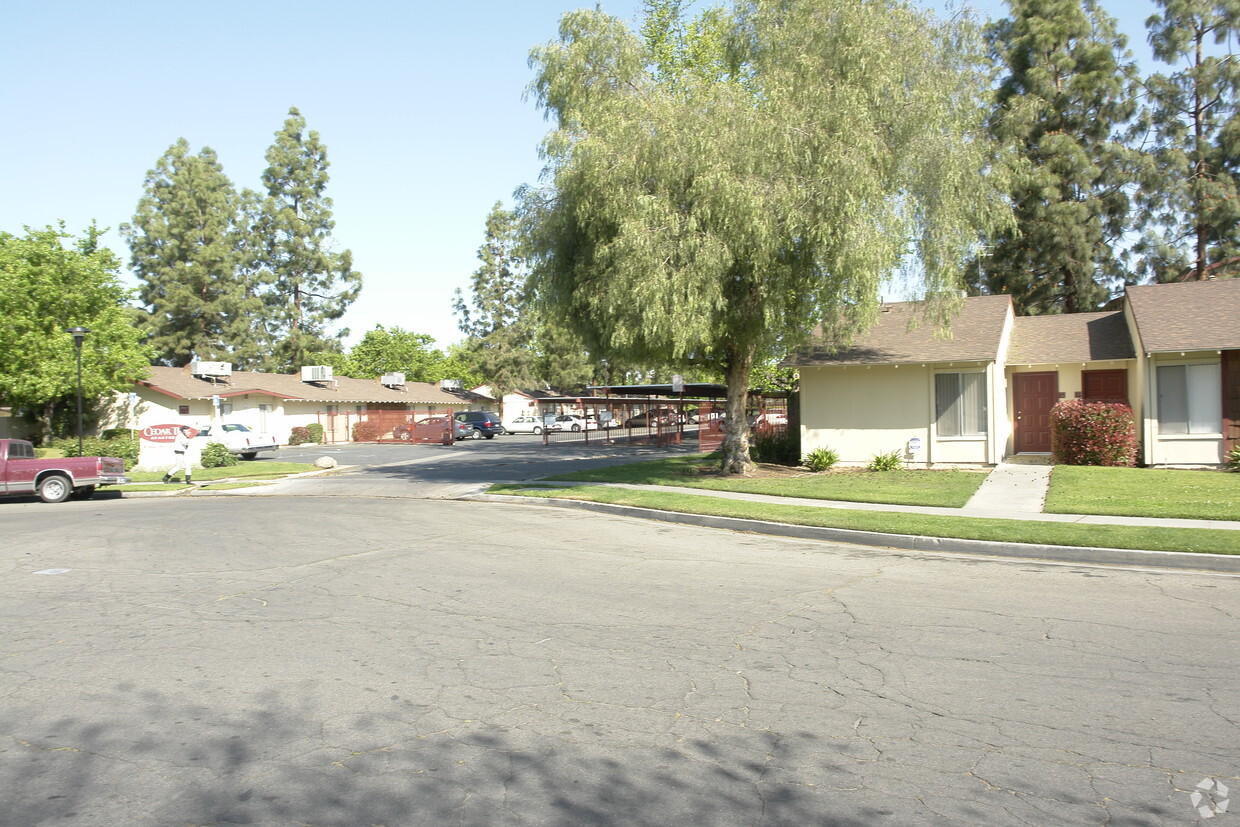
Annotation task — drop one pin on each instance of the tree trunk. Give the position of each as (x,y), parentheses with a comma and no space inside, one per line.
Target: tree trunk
(736,430)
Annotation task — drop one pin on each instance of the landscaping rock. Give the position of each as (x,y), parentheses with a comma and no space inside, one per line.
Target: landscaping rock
(325,462)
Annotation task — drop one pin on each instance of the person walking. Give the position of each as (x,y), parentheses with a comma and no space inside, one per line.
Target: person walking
(180,450)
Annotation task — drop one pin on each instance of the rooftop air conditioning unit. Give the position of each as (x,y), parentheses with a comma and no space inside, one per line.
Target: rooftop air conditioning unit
(211,369)
(450,384)
(393,380)
(316,373)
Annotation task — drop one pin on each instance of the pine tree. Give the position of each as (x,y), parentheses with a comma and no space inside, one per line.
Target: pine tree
(306,285)
(496,318)
(183,245)
(1191,198)
(1069,89)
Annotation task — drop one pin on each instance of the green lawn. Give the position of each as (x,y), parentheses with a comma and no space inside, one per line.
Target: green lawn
(1212,541)
(950,489)
(1144,492)
(268,470)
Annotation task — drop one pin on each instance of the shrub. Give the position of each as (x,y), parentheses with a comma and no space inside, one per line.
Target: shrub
(821,459)
(1232,460)
(890,461)
(217,455)
(366,432)
(299,436)
(780,446)
(126,447)
(316,433)
(1093,433)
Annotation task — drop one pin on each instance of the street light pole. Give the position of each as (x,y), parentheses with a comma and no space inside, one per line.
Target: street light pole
(78,334)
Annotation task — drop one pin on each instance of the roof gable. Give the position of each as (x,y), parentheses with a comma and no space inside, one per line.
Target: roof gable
(1193,315)
(1069,337)
(901,336)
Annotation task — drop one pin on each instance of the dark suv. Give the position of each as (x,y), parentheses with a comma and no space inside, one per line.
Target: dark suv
(484,423)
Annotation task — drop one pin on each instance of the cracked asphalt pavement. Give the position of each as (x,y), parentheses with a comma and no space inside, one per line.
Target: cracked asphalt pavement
(369,660)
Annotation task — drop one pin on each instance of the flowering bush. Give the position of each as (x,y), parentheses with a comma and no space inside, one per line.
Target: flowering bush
(299,436)
(366,432)
(1093,433)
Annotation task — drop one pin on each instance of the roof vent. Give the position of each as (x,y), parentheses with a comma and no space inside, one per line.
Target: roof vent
(211,369)
(392,380)
(316,373)
(450,384)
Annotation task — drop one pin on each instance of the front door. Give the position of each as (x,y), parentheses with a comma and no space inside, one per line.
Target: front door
(1033,396)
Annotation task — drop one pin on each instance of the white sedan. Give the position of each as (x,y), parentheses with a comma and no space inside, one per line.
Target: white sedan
(240,440)
(572,422)
(525,425)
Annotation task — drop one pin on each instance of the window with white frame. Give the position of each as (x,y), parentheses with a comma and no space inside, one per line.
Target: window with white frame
(960,404)
(1190,399)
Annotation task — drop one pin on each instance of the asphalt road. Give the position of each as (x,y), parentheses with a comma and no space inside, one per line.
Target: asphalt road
(380,660)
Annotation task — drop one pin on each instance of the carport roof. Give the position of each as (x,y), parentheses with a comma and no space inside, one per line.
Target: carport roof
(181,384)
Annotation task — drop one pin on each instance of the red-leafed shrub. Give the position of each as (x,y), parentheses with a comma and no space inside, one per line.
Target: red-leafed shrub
(366,432)
(1093,433)
(299,436)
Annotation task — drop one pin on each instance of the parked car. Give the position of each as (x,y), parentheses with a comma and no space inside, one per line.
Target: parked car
(428,425)
(526,424)
(55,480)
(484,423)
(572,422)
(767,419)
(650,418)
(239,439)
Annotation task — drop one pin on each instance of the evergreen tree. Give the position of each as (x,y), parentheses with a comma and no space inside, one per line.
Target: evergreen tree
(183,245)
(306,285)
(496,318)
(1191,197)
(1069,89)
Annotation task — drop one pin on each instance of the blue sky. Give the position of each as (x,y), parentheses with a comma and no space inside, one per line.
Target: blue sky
(419,103)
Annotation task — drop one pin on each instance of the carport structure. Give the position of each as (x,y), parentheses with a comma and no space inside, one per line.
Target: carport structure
(660,413)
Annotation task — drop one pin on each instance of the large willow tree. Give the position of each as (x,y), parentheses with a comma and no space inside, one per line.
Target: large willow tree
(717,187)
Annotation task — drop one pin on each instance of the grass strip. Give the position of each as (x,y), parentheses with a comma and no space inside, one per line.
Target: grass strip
(1208,541)
(1144,492)
(948,489)
(225,486)
(241,469)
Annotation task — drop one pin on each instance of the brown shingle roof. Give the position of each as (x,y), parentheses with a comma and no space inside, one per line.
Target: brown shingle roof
(1194,315)
(180,383)
(1069,337)
(976,333)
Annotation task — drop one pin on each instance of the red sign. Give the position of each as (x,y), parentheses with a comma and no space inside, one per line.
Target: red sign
(161,433)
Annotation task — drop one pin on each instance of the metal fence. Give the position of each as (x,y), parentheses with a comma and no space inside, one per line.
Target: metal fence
(420,427)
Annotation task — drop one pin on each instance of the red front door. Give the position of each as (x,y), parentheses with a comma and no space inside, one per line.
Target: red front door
(1034,394)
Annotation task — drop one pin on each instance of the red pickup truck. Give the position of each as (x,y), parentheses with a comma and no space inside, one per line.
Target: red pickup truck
(54,480)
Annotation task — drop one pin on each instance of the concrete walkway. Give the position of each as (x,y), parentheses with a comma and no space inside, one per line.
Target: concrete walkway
(1013,489)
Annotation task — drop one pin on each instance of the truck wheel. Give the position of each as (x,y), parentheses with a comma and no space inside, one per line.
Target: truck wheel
(249,454)
(83,493)
(54,489)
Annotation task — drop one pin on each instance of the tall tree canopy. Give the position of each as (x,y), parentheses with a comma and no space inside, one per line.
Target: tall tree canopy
(184,246)
(306,283)
(496,318)
(1191,195)
(49,282)
(718,188)
(1068,90)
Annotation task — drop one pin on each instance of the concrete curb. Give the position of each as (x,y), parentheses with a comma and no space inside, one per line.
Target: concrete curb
(1190,561)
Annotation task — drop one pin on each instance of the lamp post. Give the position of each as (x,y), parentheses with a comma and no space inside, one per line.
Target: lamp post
(78,334)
